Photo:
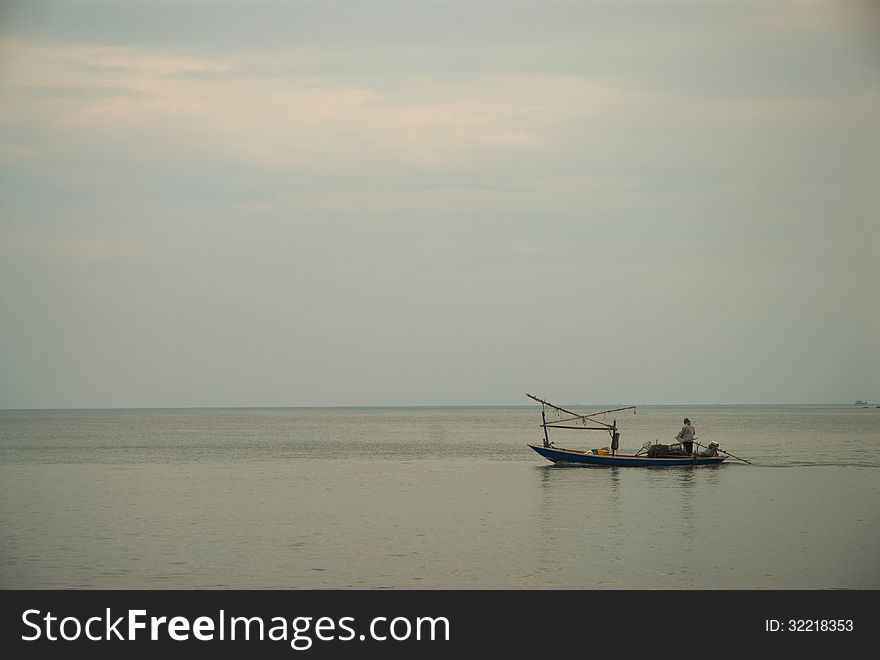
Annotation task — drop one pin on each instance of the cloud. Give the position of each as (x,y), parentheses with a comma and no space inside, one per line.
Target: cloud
(41,244)
(298,120)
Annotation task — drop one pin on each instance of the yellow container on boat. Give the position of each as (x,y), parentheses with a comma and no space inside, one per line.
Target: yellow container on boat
(603,452)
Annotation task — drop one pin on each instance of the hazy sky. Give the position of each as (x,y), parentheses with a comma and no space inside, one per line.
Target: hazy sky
(209,202)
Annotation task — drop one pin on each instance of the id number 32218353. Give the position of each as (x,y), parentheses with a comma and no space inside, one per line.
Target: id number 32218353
(808,625)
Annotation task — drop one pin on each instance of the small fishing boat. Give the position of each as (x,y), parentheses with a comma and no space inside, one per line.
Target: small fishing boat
(623,460)
(655,455)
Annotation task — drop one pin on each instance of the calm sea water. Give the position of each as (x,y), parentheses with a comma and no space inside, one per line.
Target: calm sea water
(425,498)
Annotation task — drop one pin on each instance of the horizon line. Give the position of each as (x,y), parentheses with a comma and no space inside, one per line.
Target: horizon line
(419,405)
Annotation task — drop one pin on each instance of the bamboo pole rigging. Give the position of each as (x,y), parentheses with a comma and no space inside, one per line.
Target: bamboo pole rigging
(578,415)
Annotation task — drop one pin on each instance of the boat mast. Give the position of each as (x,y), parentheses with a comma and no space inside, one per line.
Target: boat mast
(544,420)
(561,424)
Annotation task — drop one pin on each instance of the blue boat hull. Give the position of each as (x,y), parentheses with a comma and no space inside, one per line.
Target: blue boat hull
(622,460)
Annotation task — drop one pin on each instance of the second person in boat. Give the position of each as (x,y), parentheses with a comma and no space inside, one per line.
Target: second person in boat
(711,450)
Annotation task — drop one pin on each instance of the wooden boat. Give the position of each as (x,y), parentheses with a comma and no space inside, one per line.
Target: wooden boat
(624,460)
(654,456)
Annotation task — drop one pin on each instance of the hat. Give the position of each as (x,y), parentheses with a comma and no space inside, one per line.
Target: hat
(713,443)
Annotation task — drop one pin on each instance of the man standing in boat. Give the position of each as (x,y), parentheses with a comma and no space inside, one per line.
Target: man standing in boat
(686,436)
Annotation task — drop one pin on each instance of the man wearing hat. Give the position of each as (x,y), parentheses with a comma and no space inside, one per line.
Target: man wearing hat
(711,450)
(686,436)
